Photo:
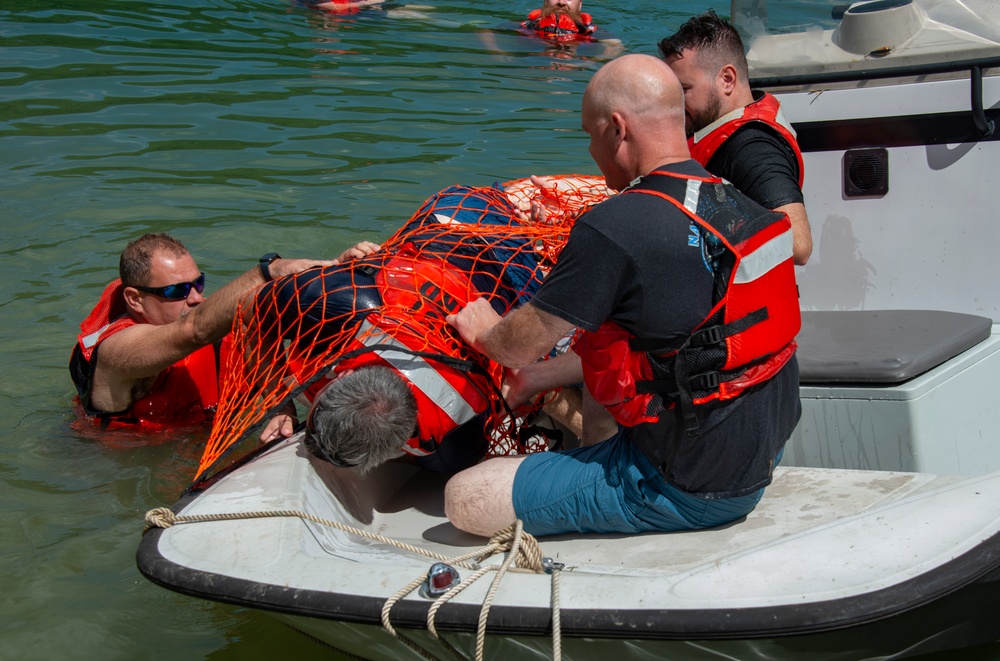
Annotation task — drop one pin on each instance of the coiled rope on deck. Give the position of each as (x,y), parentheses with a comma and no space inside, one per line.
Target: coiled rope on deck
(523,556)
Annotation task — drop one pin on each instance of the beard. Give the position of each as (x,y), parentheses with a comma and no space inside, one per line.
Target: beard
(573,15)
(697,120)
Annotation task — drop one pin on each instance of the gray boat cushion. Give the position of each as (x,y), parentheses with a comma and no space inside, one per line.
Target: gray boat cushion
(882,346)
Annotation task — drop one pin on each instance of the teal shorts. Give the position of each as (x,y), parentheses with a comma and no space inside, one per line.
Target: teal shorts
(611,487)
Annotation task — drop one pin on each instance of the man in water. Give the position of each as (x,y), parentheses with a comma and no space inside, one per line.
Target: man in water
(147,354)
(686,292)
(560,19)
(737,133)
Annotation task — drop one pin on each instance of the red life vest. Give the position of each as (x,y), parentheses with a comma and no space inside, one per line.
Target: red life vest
(767,109)
(342,7)
(187,392)
(448,394)
(745,340)
(559,26)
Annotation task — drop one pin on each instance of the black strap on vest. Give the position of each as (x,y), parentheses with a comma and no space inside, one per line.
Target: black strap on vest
(673,378)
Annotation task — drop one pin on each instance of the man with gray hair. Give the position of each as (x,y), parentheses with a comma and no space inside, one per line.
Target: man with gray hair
(383,373)
(370,412)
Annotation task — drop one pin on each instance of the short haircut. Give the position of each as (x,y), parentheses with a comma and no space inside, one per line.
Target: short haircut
(363,419)
(136,262)
(714,39)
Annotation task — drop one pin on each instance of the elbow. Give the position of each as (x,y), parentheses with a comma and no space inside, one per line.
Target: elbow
(801,252)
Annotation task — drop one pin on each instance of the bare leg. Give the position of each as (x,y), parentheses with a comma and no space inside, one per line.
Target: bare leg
(479,500)
(566,408)
(598,425)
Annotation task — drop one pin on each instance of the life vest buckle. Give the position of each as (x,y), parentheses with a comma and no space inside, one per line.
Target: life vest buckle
(710,335)
(705,381)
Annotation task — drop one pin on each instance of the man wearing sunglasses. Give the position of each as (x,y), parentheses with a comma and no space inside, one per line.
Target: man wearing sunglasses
(148,353)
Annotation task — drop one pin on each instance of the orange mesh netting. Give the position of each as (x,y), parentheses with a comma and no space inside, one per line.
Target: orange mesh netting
(461,244)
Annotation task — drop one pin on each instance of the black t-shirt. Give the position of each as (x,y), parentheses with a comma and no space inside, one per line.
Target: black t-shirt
(634,259)
(638,260)
(760,164)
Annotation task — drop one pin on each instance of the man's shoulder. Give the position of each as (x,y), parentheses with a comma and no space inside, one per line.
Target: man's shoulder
(754,156)
(760,135)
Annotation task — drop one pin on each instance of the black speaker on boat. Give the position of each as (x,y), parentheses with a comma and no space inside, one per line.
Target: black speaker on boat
(866,172)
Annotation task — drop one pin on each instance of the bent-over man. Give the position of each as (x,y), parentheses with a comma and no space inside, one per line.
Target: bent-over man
(686,292)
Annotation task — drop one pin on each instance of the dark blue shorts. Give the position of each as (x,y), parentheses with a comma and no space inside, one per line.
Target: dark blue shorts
(611,487)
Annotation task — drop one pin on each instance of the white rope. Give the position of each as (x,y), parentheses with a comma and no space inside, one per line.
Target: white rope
(523,553)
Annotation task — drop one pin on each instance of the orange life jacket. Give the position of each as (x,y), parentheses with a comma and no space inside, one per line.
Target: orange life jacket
(745,340)
(342,7)
(559,26)
(449,389)
(767,109)
(186,392)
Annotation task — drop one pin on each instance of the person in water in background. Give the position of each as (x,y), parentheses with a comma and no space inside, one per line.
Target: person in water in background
(737,133)
(148,353)
(342,7)
(560,20)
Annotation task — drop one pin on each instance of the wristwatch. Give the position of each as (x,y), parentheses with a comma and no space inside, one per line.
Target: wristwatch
(265,265)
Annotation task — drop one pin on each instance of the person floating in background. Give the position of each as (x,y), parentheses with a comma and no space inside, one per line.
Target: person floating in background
(560,20)
(685,289)
(342,7)
(366,344)
(148,353)
(737,133)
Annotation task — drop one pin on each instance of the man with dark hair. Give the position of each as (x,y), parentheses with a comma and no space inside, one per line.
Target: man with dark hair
(685,290)
(737,133)
(147,354)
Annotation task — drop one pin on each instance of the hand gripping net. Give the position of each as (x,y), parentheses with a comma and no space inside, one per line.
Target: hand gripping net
(462,243)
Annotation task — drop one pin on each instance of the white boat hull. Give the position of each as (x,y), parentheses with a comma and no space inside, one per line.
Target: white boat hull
(847,564)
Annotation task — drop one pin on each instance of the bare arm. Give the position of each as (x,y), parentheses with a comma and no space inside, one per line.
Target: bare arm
(802,243)
(127,359)
(518,339)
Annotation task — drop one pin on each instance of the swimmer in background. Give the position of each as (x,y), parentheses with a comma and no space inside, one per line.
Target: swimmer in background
(560,20)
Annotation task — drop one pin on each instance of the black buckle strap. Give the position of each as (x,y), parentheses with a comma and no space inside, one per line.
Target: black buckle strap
(705,381)
(710,335)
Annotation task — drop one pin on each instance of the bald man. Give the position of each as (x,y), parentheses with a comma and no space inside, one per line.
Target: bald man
(685,289)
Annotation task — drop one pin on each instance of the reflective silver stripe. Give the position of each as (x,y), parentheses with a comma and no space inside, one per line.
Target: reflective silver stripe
(419,373)
(91,340)
(779,118)
(735,114)
(691,196)
(764,258)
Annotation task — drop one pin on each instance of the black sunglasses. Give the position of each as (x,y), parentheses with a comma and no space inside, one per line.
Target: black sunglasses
(178,290)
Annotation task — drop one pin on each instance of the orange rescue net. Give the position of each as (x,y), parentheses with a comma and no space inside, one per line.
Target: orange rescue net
(462,243)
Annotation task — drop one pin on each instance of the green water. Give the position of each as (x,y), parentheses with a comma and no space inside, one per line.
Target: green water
(242,129)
